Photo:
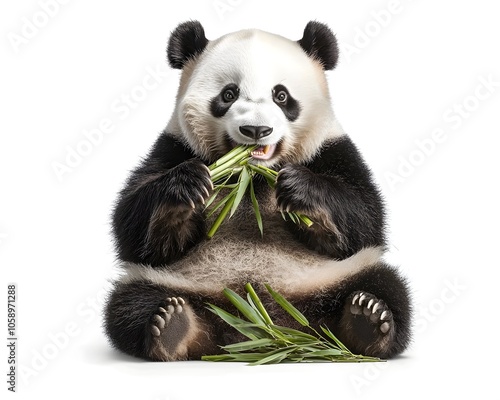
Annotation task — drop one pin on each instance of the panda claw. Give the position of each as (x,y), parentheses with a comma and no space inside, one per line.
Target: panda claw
(374,310)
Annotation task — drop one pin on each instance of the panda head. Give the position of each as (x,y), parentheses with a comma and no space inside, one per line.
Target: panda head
(254,87)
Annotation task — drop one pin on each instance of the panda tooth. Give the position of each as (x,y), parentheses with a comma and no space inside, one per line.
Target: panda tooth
(266,148)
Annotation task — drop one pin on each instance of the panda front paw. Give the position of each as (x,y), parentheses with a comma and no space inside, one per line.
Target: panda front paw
(293,189)
(189,184)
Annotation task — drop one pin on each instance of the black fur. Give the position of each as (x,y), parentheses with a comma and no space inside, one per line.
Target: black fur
(186,42)
(290,106)
(154,221)
(337,191)
(159,217)
(130,308)
(132,305)
(220,104)
(320,43)
(331,308)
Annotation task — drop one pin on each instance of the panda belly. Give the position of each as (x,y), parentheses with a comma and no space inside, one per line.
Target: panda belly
(238,254)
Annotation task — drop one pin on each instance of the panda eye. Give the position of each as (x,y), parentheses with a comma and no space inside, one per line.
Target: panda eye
(281,97)
(229,95)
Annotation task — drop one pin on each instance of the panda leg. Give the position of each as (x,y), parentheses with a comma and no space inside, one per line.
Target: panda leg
(369,311)
(376,312)
(150,321)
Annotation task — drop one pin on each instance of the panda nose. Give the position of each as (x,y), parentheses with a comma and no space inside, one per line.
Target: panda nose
(255,132)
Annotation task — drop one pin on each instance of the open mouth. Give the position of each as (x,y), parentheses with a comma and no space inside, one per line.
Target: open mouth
(264,152)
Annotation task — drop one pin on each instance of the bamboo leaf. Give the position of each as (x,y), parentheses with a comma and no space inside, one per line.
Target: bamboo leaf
(323,353)
(244,180)
(288,307)
(329,333)
(220,218)
(251,331)
(243,307)
(295,333)
(270,343)
(258,303)
(275,356)
(256,209)
(221,202)
(249,345)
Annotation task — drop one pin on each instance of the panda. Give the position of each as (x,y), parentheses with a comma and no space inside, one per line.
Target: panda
(253,88)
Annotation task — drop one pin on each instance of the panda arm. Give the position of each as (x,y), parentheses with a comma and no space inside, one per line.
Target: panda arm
(159,214)
(337,192)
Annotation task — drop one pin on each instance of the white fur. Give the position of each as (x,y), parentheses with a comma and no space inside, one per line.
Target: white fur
(256,61)
(286,273)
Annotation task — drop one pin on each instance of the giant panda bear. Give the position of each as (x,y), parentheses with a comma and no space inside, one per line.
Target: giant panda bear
(253,87)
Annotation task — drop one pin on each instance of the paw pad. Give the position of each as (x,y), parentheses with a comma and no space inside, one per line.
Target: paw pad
(159,320)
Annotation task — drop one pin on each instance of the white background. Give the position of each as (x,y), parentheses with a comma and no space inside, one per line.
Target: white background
(406,70)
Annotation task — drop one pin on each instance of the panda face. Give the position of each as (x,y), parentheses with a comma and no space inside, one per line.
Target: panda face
(253,87)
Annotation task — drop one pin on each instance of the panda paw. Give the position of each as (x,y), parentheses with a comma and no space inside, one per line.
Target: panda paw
(189,184)
(367,325)
(293,188)
(168,327)
(375,310)
(163,316)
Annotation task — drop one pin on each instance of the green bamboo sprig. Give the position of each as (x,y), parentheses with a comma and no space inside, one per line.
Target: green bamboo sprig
(236,163)
(269,343)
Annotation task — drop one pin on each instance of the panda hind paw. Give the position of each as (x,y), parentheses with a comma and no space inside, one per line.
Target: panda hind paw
(374,309)
(168,327)
(162,317)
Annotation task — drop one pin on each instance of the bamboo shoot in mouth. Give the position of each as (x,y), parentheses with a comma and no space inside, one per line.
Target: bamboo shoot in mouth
(236,164)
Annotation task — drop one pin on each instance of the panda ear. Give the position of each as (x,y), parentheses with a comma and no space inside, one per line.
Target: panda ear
(186,42)
(320,43)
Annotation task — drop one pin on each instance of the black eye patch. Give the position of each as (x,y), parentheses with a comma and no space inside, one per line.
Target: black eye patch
(221,103)
(283,99)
